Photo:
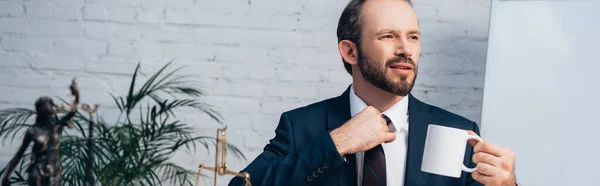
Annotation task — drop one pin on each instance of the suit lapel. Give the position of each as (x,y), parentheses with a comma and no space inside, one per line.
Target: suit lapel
(338,113)
(417,118)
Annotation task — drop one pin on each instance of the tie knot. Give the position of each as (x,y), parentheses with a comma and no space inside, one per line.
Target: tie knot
(387,119)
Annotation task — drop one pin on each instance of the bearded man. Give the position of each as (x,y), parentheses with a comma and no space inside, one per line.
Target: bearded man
(373,133)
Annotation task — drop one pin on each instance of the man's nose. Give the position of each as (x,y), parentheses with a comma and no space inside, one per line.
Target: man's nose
(402,49)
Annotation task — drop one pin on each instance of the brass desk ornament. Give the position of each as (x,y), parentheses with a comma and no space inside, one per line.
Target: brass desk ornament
(220,167)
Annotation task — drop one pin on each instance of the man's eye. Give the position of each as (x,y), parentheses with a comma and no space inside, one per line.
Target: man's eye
(387,37)
(414,37)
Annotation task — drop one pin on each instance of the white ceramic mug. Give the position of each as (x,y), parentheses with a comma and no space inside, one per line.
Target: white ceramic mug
(445,151)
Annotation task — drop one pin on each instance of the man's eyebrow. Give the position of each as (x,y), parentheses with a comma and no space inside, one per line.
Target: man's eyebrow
(417,32)
(384,31)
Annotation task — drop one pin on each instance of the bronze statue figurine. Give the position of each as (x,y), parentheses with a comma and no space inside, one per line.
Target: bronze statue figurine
(44,169)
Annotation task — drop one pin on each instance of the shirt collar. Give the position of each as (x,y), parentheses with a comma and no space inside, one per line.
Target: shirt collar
(398,112)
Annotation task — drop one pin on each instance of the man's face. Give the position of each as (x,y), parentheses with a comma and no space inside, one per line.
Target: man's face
(390,45)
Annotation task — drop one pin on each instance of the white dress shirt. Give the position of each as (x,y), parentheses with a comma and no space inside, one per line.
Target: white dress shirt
(395,152)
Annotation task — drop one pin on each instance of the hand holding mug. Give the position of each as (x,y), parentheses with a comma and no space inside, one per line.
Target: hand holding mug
(445,151)
(495,164)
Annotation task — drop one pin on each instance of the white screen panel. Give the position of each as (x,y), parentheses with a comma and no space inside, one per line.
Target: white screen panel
(542,89)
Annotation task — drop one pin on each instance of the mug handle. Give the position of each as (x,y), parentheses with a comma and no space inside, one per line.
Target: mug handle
(470,137)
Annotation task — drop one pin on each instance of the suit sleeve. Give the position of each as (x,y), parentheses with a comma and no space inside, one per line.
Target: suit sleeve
(470,180)
(281,163)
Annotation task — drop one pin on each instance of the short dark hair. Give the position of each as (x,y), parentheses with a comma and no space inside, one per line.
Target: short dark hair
(350,26)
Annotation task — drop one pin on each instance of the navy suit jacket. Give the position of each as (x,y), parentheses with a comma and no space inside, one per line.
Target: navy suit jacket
(303,153)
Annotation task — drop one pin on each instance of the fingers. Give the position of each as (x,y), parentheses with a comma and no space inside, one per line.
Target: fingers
(490,175)
(486,169)
(482,157)
(472,133)
(487,147)
(472,141)
(370,110)
(495,164)
(490,148)
(389,137)
(481,178)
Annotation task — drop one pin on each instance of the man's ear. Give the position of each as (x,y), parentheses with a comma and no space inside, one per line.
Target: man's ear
(348,51)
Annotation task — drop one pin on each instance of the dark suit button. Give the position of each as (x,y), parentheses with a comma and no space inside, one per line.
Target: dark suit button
(315,174)
(309,178)
(320,170)
(326,165)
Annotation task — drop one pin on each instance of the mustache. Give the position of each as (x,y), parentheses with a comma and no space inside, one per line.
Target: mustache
(400,59)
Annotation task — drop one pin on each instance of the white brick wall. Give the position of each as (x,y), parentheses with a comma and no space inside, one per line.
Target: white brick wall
(254,58)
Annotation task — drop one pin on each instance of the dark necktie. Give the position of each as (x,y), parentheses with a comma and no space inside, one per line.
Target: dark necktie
(374,167)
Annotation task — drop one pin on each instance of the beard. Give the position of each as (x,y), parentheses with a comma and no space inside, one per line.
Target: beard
(376,75)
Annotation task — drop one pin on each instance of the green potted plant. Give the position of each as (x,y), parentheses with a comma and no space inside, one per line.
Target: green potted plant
(136,147)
